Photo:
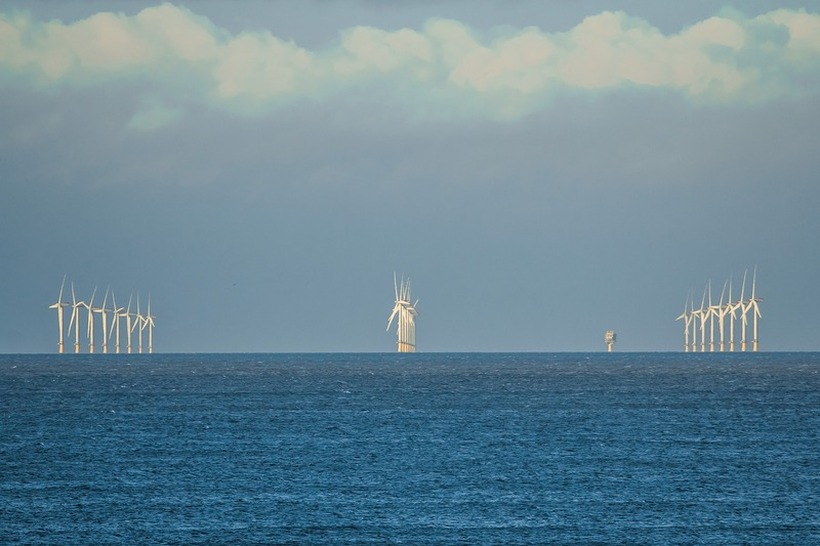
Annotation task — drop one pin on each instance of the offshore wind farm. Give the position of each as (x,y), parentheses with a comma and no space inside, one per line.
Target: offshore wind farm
(721,316)
(709,328)
(109,317)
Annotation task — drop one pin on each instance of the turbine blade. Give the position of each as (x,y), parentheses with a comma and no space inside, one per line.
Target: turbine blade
(62,285)
(392,316)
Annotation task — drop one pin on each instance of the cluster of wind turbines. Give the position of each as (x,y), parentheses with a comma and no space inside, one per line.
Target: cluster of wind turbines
(703,319)
(406,313)
(133,321)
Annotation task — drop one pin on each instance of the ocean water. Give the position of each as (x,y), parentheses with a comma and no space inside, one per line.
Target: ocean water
(508,448)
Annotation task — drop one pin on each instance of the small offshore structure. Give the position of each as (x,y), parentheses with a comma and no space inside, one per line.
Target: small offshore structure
(609,339)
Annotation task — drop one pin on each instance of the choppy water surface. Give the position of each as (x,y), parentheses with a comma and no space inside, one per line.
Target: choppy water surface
(425,448)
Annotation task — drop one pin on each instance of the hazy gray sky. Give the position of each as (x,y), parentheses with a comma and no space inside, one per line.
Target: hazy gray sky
(541,170)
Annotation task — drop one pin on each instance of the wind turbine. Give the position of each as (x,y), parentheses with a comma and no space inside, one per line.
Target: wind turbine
(138,322)
(752,304)
(711,314)
(722,311)
(103,311)
(406,313)
(60,320)
(128,326)
(703,316)
(75,319)
(115,322)
(730,307)
(90,327)
(148,321)
(687,317)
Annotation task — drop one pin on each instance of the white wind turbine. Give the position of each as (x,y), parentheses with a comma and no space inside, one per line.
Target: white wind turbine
(692,319)
(75,319)
(128,325)
(752,305)
(722,311)
(115,322)
(60,317)
(90,326)
(138,322)
(406,312)
(688,318)
(703,316)
(695,319)
(712,312)
(148,321)
(103,311)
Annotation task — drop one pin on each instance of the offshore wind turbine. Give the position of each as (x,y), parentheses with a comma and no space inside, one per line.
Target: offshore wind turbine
(752,305)
(722,311)
(103,311)
(711,314)
(75,319)
(730,307)
(128,325)
(695,319)
(60,317)
(148,321)
(138,322)
(703,316)
(688,318)
(90,325)
(406,313)
(115,322)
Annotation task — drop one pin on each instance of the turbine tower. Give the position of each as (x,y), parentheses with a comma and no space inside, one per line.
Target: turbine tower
(60,317)
(406,312)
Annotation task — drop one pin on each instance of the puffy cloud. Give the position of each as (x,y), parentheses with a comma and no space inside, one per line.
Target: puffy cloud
(730,58)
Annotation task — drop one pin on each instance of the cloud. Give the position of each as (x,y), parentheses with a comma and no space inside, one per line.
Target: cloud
(153,117)
(442,68)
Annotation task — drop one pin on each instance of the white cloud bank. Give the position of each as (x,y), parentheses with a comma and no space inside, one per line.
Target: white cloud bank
(443,68)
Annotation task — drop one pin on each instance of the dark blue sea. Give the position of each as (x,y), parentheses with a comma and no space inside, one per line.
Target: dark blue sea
(507,448)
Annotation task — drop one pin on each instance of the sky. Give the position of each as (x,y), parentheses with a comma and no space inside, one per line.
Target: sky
(542,171)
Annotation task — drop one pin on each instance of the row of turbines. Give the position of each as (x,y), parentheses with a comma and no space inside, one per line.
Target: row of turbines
(133,321)
(406,313)
(704,319)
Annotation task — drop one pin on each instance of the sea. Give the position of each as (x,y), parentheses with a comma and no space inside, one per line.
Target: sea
(425,448)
